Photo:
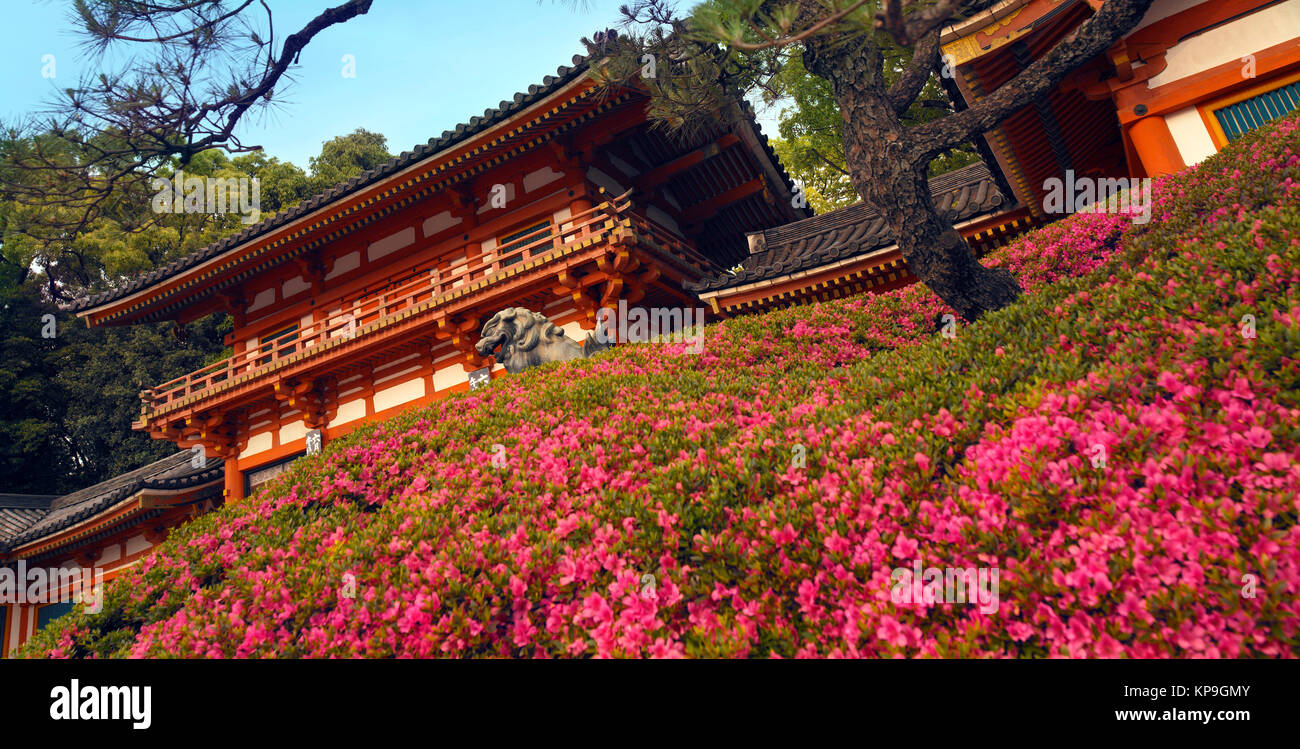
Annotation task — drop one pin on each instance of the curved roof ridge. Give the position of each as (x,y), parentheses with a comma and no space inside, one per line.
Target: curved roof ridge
(448,139)
(172,472)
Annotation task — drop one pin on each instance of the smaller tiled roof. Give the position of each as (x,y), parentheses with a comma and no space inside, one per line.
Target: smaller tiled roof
(20,511)
(173,472)
(961,195)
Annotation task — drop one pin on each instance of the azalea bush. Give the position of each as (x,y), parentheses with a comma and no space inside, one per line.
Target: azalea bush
(1120,445)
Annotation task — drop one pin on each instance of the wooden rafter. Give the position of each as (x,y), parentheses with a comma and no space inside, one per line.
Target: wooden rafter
(711,206)
(680,164)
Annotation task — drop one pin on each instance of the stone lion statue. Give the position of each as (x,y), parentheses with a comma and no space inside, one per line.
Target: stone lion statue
(519,338)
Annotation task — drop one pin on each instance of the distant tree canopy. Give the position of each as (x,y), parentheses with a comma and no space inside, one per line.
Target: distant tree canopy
(184,76)
(67,402)
(132,237)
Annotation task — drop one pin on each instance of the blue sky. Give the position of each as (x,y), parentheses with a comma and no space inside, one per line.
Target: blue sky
(422,66)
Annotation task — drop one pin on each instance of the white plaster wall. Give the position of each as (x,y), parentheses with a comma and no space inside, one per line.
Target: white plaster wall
(391,243)
(1162,9)
(398,394)
(110,554)
(605,181)
(404,371)
(448,376)
(1193,140)
(345,263)
(395,362)
(350,411)
(136,544)
(263,298)
(493,193)
(257,443)
(439,223)
(543,176)
(574,331)
(1231,41)
(295,285)
(294,430)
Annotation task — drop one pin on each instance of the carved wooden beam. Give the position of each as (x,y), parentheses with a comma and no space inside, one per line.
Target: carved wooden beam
(634,290)
(650,276)
(463,334)
(613,289)
(687,161)
(618,263)
(711,206)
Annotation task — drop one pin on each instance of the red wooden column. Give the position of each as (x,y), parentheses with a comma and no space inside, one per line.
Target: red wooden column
(1156,147)
(234,490)
(578,205)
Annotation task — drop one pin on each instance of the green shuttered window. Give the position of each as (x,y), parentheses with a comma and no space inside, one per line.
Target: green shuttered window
(1242,117)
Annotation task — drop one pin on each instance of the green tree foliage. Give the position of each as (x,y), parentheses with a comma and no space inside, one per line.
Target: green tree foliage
(99,374)
(347,156)
(34,451)
(67,403)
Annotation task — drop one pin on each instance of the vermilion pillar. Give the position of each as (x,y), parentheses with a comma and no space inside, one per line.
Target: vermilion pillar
(234,480)
(1156,147)
(578,206)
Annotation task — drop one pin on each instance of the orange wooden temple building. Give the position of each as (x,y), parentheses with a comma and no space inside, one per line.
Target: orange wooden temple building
(106,528)
(368,300)
(1190,77)
(848,251)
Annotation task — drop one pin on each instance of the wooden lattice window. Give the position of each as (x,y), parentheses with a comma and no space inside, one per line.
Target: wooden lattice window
(268,342)
(511,245)
(1230,117)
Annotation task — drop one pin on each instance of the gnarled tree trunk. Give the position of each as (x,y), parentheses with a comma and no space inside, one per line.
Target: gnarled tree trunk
(887,176)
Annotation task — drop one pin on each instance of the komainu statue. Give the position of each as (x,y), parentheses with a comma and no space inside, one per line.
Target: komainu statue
(527,339)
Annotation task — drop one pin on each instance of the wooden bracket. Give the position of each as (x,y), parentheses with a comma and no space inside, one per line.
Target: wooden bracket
(613,289)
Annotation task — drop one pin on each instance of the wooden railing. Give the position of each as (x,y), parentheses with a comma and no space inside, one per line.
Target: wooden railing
(370,312)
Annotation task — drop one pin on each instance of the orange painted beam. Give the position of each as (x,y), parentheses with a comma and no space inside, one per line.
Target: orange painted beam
(711,206)
(682,163)
(1208,84)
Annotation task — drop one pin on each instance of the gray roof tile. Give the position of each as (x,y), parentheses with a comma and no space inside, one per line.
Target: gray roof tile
(960,195)
(173,472)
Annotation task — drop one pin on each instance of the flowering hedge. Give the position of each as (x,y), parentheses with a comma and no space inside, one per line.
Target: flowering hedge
(1116,444)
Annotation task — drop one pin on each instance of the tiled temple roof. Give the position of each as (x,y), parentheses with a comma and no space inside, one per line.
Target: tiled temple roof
(19,511)
(960,195)
(449,138)
(564,75)
(21,525)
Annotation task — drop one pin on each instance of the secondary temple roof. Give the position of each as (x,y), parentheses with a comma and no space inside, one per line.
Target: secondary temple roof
(965,194)
(19,511)
(26,518)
